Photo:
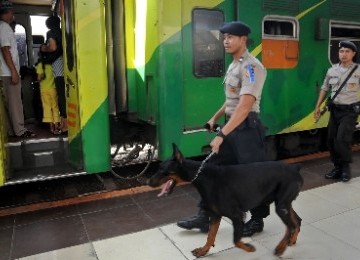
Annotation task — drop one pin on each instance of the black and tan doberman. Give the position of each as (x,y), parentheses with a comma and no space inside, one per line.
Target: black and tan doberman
(232,190)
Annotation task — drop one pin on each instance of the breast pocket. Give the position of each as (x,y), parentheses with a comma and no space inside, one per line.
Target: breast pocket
(333,82)
(353,84)
(233,81)
(232,87)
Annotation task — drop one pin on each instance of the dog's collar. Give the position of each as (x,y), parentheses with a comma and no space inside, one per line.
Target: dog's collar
(202,166)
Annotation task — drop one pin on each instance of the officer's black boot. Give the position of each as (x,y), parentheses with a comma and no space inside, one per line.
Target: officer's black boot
(200,221)
(334,173)
(254,225)
(346,173)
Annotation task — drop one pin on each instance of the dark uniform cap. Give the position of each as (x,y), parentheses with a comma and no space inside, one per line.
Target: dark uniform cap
(348,44)
(5,5)
(235,28)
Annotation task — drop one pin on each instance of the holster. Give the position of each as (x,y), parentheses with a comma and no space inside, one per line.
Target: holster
(356,107)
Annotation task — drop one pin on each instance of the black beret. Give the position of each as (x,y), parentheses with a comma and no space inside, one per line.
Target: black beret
(5,5)
(235,28)
(348,44)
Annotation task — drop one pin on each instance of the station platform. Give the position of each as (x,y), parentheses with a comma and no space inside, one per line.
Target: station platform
(143,226)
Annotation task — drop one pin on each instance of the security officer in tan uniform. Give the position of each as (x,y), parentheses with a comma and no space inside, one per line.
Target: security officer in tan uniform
(343,112)
(241,139)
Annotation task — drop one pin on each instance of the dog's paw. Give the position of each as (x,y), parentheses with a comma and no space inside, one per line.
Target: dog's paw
(201,251)
(279,250)
(245,246)
(249,247)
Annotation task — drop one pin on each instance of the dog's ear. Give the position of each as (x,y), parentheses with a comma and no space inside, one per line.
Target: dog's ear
(177,155)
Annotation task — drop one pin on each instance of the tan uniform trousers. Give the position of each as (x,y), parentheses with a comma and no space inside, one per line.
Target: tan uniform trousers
(13,106)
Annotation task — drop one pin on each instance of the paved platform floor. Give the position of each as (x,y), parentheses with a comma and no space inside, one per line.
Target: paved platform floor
(142,226)
(330,230)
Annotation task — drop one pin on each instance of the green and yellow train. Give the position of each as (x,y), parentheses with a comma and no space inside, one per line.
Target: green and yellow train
(142,74)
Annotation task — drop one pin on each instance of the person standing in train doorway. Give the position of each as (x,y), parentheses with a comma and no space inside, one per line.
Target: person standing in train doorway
(9,72)
(242,138)
(54,46)
(48,95)
(344,109)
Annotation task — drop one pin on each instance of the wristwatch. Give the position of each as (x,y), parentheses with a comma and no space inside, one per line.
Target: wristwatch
(220,134)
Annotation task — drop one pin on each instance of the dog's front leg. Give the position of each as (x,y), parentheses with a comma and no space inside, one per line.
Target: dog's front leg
(214,227)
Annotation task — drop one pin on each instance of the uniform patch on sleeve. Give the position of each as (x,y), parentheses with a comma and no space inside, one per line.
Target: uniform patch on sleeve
(251,73)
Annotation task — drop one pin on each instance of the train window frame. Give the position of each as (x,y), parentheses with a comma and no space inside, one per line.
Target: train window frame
(344,28)
(278,20)
(280,42)
(209,61)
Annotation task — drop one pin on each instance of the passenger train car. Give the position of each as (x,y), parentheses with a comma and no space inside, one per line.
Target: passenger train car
(142,74)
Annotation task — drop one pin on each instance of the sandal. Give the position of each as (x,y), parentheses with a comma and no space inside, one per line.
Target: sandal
(28,134)
(56,132)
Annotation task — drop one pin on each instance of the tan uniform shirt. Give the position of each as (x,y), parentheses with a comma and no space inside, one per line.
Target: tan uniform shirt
(335,76)
(245,76)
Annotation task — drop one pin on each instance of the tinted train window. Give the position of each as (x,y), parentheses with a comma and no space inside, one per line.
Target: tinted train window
(343,32)
(208,51)
(280,28)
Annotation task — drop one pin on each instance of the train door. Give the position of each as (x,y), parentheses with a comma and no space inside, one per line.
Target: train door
(204,66)
(72,98)
(23,42)
(206,63)
(86,84)
(4,168)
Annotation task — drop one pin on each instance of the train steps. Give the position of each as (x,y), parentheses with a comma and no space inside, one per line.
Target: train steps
(36,159)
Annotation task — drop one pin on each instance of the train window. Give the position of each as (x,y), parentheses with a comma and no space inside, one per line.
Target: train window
(39,30)
(38,25)
(21,43)
(341,31)
(208,51)
(280,42)
(279,28)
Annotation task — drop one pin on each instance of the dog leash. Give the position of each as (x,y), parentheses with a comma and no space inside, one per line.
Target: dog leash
(216,128)
(202,166)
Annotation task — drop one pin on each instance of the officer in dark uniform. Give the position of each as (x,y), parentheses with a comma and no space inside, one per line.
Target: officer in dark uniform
(241,139)
(343,112)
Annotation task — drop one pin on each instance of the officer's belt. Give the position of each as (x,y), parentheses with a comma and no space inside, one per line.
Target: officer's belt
(251,115)
(344,107)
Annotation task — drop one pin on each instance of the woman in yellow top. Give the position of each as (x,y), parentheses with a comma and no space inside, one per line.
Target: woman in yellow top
(48,94)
